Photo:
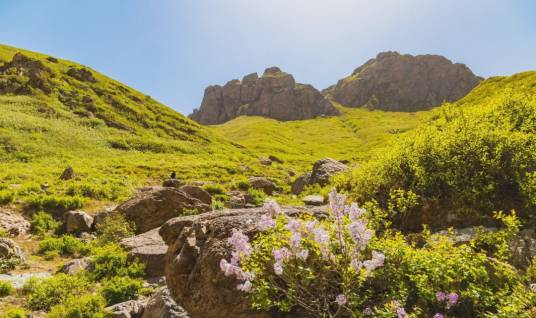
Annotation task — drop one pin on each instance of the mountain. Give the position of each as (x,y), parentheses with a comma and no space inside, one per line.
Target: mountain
(396,82)
(274,95)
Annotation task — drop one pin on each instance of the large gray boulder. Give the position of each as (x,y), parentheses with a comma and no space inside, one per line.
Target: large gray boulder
(76,222)
(321,174)
(153,206)
(264,184)
(196,244)
(75,266)
(161,305)
(149,249)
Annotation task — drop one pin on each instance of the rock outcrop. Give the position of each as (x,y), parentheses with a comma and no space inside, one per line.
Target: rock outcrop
(153,206)
(76,222)
(275,95)
(13,223)
(397,82)
(196,244)
(75,266)
(10,250)
(24,74)
(161,305)
(322,171)
(149,249)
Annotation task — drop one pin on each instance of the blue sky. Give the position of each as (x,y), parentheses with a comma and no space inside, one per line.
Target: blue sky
(173,49)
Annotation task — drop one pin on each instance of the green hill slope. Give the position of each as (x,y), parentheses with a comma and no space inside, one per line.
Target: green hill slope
(353,136)
(114,137)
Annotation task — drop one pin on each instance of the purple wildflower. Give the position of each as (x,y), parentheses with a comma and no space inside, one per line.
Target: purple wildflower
(240,243)
(278,268)
(355,212)
(401,312)
(439,315)
(340,299)
(337,204)
(293,225)
(303,254)
(272,208)
(440,296)
(360,233)
(245,287)
(452,299)
(281,255)
(321,236)
(368,311)
(295,240)
(266,222)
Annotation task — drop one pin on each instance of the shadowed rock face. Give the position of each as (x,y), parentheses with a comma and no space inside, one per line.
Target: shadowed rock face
(196,244)
(275,95)
(396,82)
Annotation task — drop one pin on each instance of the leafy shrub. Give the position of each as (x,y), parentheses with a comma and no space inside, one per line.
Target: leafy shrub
(3,233)
(6,197)
(98,191)
(256,196)
(6,288)
(114,228)
(468,161)
(118,289)
(8,264)
(217,205)
(64,245)
(43,223)
(85,306)
(111,260)
(44,293)
(355,274)
(243,185)
(56,204)
(13,312)
(214,188)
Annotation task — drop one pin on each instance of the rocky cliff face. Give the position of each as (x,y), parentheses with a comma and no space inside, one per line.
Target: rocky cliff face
(275,94)
(397,82)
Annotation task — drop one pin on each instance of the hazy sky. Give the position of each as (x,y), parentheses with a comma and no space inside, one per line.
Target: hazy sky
(173,49)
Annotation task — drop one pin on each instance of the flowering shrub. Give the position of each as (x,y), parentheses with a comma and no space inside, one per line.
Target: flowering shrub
(337,266)
(318,266)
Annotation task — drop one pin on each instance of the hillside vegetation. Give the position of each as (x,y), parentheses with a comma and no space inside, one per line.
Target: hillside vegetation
(477,156)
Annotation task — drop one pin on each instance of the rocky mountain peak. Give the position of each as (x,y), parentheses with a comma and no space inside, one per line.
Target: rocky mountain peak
(275,95)
(403,82)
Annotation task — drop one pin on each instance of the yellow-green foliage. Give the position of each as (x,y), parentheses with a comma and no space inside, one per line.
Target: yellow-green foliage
(477,156)
(354,135)
(114,137)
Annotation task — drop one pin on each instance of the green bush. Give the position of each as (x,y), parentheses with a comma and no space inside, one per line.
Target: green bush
(13,312)
(214,188)
(114,228)
(6,197)
(8,264)
(56,204)
(6,288)
(64,245)
(118,289)
(42,294)
(85,306)
(111,260)
(43,223)
(256,196)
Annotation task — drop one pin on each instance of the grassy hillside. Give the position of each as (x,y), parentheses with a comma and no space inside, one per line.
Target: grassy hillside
(477,156)
(114,137)
(353,136)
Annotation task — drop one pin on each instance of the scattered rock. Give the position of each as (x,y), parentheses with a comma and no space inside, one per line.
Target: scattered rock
(77,222)
(265,161)
(237,200)
(275,159)
(52,59)
(10,250)
(263,184)
(396,82)
(161,305)
(274,95)
(87,237)
(173,183)
(196,244)
(153,206)
(322,171)
(300,183)
(127,309)
(67,174)
(315,200)
(149,249)
(13,223)
(75,266)
(81,74)
(198,193)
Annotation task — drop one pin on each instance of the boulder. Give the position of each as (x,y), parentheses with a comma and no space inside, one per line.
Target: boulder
(314,200)
(127,309)
(153,206)
(67,174)
(324,169)
(76,222)
(81,74)
(196,244)
(173,183)
(24,74)
(300,183)
(263,184)
(13,223)
(198,193)
(275,95)
(149,249)
(265,161)
(75,266)
(396,82)
(161,305)
(10,250)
